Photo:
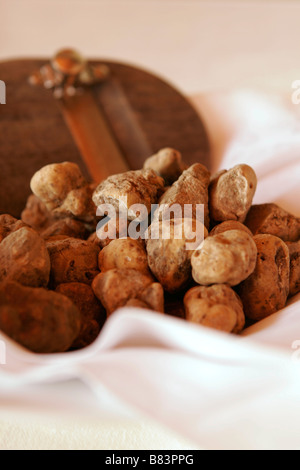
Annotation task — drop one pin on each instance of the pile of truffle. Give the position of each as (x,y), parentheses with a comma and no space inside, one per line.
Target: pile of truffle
(62,273)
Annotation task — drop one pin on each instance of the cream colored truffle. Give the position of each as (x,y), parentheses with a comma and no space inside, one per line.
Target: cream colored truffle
(169,248)
(64,191)
(167,163)
(119,287)
(226,258)
(125,190)
(124,253)
(216,306)
(188,193)
(231,193)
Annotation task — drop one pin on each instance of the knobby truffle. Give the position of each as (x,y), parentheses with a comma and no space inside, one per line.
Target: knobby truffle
(225,258)
(170,246)
(24,258)
(266,290)
(216,306)
(120,287)
(231,193)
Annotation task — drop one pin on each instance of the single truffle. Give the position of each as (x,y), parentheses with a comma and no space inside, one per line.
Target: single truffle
(169,249)
(124,253)
(273,220)
(266,290)
(188,195)
(41,320)
(24,258)
(167,163)
(64,191)
(118,287)
(231,193)
(225,258)
(125,190)
(216,306)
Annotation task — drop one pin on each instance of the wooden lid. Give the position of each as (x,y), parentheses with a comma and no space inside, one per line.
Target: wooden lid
(33,131)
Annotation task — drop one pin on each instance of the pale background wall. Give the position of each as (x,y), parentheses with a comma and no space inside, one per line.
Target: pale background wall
(198,45)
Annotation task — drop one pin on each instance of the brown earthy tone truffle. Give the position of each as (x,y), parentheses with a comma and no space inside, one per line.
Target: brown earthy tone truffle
(79,204)
(91,311)
(294,250)
(36,214)
(64,190)
(129,188)
(231,193)
(226,258)
(124,253)
(70,227)
(216,306)
(118,287)
(169,250)
(72,260)
(24,258)
(167,163)
(266,290)
(8,225)
(229,225)
(42,321)
(190,188)
(273,220)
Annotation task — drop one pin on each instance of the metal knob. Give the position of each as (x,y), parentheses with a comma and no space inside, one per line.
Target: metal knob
(67,73)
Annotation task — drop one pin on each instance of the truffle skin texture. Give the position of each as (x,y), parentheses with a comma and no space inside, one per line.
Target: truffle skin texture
(169,258)
(24,258)
(294,250)
(91,311)
(9,224)
(70,227)
(118,287)
(167,163)
(42,321)
(126,189)
(79,204)
(64,191)
(227,258)
(190,188)
(231,193)
(52,183)
(229,225)
(273,220)
(266,290)
(124,253)
(36,215)
(216,306)
(72,260)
